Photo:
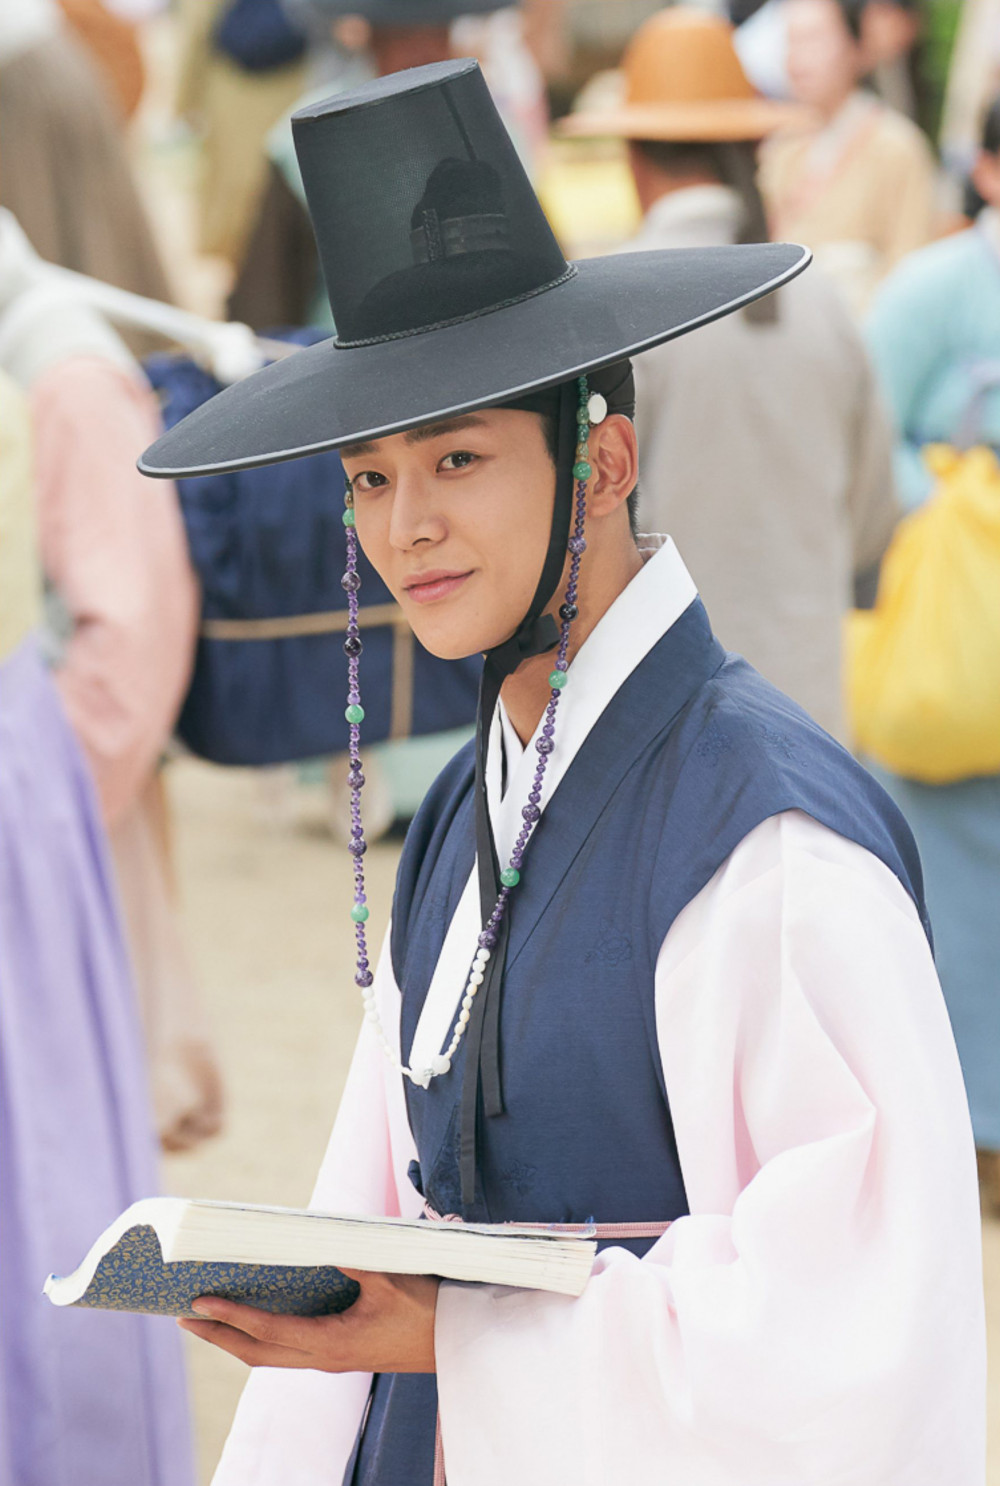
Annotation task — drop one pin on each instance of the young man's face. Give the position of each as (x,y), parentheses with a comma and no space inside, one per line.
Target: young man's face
(455,517)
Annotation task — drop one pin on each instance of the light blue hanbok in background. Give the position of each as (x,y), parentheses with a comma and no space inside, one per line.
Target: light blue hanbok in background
(934,334)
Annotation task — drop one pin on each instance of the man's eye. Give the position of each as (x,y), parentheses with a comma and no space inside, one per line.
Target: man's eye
(368,480)
(460,460)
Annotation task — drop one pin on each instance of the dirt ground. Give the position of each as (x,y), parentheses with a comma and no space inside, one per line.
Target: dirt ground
(265,898)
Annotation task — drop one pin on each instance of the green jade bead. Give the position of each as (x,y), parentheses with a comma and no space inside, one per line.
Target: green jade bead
(558,680)
(359,913)
(582,471)
(354,713)
(348,517)
(510,877)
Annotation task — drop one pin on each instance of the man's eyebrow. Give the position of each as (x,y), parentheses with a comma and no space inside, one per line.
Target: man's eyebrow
(445,425)
(417,435)
(356,451)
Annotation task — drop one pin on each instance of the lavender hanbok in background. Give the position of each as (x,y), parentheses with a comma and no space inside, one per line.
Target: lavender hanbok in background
(85,1399)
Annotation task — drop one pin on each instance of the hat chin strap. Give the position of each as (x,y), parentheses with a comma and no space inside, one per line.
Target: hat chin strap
(538,631)
(536,634)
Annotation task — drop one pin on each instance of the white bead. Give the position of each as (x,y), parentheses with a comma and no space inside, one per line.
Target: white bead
(463,1019)
(597,407)
(371,1015)
(441,1064)
(466,1003)
(482,956)
(476,978)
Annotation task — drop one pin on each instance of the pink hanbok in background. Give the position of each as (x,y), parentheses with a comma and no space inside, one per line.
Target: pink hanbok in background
(115,553)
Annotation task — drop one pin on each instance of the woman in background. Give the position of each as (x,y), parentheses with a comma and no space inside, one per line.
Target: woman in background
(856,185)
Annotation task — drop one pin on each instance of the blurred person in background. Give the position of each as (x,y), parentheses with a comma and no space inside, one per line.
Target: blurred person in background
(857,183)
(778,488)
(113,42)
(890,33)
(934,333)
(242,64)
(279,282)
(973,76)
(121,621)
(66,174)
(86,1399)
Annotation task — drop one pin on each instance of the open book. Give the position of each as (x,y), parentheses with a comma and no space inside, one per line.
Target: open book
(163,1252)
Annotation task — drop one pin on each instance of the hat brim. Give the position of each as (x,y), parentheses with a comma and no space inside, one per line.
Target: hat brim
(731,120)
(326,395)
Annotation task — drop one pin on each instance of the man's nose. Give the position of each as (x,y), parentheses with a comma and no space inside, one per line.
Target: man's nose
(415,515)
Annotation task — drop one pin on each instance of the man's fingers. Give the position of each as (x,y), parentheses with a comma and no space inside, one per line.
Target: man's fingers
(263,1326)
(248,1349)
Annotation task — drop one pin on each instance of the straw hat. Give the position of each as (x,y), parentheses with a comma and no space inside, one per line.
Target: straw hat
(684,81)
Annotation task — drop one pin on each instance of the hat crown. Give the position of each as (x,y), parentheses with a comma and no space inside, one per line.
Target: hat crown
(422,211)
(683,56)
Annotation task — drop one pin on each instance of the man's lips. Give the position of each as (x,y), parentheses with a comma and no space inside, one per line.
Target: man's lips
(427,587)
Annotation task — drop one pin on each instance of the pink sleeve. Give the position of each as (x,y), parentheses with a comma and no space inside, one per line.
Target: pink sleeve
(818,1316)
(297,1428)
(114,548)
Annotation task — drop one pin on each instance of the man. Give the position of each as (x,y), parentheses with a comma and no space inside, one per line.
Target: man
(657,956)
(764,448)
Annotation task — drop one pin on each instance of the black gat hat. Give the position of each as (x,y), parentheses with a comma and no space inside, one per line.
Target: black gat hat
(448,288)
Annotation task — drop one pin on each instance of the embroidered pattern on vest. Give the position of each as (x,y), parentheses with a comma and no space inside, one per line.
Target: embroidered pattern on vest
(611,947)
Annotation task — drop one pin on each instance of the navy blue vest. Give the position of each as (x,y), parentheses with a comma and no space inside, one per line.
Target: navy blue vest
(693,752)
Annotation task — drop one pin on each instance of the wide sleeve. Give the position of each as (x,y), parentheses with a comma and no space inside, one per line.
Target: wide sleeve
(297,1428)
(818,1316)
(113,546)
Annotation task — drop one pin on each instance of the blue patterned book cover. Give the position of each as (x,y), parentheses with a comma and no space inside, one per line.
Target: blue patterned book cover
(133,1277)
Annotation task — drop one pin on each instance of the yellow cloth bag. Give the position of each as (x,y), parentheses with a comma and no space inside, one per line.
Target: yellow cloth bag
(923,666)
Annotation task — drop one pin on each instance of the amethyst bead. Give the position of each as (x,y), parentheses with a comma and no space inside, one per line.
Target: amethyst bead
(568,612)
(530,812)
(577,545)
(544,745)
(353,645)
(364,979)
(357,848)
(351,581)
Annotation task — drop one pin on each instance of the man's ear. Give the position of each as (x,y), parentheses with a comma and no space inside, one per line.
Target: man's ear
(614,458)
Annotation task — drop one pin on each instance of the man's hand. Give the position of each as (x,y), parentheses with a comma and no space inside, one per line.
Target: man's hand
(389,1328)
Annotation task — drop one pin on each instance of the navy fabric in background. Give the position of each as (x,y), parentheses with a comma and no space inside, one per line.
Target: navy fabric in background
(270,542)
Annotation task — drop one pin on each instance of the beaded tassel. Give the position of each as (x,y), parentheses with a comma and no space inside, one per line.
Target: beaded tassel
(590,410)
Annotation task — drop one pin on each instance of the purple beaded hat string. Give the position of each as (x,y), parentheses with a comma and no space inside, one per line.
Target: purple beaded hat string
(590,410)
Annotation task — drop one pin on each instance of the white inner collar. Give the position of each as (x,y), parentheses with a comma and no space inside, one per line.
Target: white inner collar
(640,616)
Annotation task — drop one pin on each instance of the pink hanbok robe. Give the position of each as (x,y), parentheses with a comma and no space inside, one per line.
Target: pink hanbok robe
(817,1317)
